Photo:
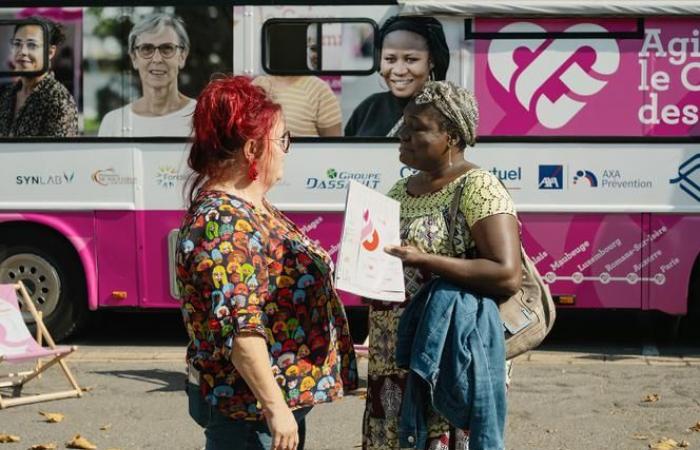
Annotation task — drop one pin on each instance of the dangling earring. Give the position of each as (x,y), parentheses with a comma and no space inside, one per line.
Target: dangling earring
(253,170)
(431,76)
(449,155)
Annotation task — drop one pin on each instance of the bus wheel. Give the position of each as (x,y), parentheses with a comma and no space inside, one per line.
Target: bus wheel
(51,271)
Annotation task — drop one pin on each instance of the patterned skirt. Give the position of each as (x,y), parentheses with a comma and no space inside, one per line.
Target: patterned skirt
(385,388)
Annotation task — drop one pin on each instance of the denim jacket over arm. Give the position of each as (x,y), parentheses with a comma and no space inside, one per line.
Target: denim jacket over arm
(452,342)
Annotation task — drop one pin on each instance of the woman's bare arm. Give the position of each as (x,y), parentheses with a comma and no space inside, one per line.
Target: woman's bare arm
(250,356)
(497,270)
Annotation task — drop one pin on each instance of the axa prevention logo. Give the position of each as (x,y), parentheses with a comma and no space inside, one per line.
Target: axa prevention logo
(536,80)
(585,178)
(551,177)
(168,176)
(338,179)
(688,179)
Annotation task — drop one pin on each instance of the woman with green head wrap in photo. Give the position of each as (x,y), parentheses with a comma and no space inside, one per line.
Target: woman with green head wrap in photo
(413,51)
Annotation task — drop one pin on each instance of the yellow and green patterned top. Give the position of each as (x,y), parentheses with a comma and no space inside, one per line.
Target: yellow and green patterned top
(425,218)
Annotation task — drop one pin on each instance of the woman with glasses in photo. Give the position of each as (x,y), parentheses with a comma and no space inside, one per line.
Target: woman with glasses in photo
(158,47)
(268,334)
(36,105)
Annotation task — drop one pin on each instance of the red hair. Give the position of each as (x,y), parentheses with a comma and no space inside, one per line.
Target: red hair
(229,112)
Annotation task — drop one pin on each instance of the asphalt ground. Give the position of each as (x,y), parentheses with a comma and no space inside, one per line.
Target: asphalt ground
(584,389)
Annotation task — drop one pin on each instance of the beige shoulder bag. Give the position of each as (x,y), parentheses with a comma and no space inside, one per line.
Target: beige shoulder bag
(528,315)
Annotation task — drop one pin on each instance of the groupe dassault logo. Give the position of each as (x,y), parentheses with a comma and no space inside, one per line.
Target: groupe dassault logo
(530,88)
(688,178)
(339,179)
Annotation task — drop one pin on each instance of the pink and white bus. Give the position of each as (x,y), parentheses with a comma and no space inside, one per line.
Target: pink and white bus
(589,115)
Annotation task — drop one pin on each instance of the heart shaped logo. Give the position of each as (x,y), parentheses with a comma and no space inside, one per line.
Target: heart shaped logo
(549,80)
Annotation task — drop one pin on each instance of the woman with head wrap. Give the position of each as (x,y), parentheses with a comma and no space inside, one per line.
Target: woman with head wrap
(484,258)
(413,50)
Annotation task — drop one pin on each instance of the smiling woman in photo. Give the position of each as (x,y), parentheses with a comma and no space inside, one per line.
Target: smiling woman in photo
(36,105)
(413,51)
(158,47)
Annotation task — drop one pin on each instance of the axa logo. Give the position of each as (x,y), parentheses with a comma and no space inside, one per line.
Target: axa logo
(688,178)
(586,178)
(551,177)
(546,76)
(369,234)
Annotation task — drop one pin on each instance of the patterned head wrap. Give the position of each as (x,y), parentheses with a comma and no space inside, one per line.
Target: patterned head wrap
(431,30)
(457,104)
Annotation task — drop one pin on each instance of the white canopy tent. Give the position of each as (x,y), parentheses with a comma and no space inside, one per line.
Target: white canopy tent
(551,7)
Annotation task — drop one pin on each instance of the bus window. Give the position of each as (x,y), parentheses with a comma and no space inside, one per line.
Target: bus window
(38,53)
(146,66)
(291,46)
(305,60)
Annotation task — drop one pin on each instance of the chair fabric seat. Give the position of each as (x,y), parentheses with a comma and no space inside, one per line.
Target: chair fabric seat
(18,345)
(35,354)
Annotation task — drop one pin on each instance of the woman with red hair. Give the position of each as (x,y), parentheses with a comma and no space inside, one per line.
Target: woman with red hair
(268,334)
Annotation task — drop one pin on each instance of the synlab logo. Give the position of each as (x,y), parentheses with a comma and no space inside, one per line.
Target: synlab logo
(56,179)
(585,177)
(369,235)
(554,101)
(551,177)
(689,177)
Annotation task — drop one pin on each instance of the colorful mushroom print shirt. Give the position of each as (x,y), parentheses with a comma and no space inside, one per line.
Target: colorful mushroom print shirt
(243,270)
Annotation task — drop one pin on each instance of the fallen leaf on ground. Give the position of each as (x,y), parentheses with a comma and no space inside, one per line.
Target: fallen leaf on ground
(81,443)
(651,398)
(106,427)
(49,446)
(668,444)
(8,438)
(52,417)
(640,436)
(695,427)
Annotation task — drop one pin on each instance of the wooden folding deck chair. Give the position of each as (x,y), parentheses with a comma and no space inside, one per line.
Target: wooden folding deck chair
(17,345)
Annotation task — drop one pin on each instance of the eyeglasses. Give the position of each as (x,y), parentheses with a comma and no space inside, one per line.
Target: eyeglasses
(286,140)
(146,51)
(17,45)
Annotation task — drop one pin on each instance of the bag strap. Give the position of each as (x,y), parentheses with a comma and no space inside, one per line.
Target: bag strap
(452,225)
(454,208)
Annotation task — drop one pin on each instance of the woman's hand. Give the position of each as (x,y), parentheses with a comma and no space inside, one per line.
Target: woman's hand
(283,428)
(409,255)
(251,358)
